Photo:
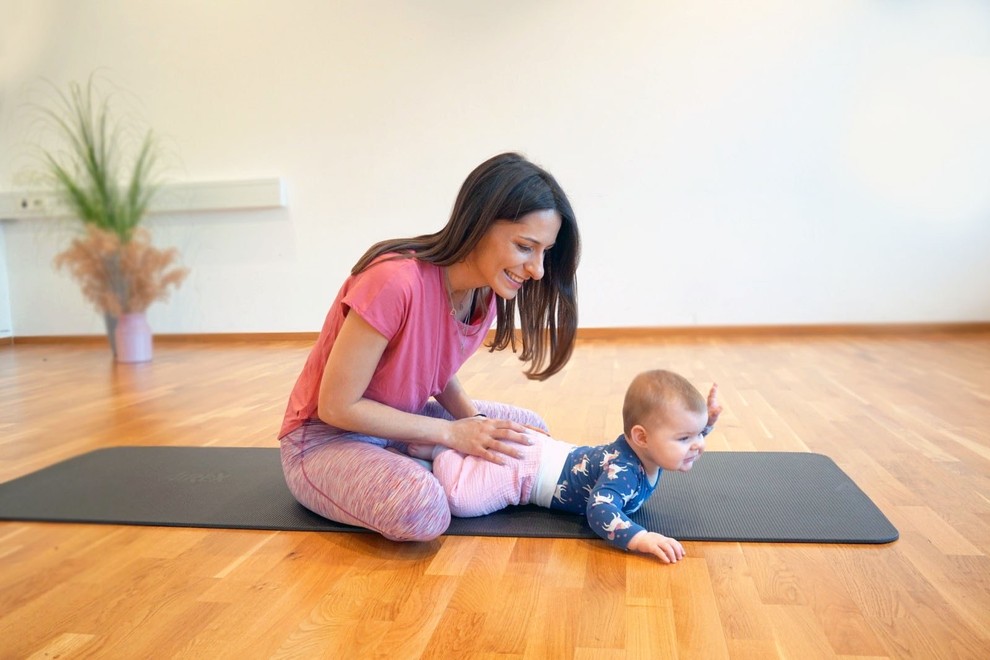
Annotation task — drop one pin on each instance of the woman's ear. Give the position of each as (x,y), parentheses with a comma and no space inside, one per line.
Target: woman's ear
(637,436)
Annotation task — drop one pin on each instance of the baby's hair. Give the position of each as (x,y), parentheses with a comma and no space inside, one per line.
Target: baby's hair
(654,391)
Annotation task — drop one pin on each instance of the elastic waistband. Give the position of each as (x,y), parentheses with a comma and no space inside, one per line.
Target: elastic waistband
(552,460)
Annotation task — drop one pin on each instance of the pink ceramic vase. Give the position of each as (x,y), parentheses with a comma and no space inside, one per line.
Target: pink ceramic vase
(133,338)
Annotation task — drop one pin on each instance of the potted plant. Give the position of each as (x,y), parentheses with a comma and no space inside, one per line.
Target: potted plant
(114,261)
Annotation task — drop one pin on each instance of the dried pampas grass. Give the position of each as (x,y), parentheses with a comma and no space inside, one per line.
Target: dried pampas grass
(121,277)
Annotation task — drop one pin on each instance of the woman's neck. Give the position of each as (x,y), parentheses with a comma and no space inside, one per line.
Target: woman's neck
(461,299)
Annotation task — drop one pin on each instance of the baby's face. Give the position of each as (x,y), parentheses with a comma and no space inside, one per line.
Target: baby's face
(674,440)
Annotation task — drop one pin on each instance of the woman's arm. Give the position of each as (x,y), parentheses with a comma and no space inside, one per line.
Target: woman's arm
(350,366)
(456,401)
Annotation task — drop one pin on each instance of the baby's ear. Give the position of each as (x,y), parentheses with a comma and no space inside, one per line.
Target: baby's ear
(637,436)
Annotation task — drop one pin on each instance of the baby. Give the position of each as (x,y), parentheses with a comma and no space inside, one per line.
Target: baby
(665,421)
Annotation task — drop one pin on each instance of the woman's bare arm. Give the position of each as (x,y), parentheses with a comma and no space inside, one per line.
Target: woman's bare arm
(350,366)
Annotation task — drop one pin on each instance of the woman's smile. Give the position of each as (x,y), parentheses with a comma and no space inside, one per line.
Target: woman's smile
(516,280)
(510,254)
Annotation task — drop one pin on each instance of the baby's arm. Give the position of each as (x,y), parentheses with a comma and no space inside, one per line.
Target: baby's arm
(651,543)
(714,409)
(611,523)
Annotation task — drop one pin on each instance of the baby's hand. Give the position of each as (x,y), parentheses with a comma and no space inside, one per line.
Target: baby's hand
(650,543)
(714,407)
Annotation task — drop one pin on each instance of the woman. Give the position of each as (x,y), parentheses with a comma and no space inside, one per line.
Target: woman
(411,313)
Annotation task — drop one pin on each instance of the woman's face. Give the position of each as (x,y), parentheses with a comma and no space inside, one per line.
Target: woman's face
(513,252)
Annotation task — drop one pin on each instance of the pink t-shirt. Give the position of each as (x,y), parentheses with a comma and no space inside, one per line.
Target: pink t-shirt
(406,301)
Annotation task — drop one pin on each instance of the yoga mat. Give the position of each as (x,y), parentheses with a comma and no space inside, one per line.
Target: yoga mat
(728,496)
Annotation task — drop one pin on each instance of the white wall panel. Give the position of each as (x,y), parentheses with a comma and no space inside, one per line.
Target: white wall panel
(767,162)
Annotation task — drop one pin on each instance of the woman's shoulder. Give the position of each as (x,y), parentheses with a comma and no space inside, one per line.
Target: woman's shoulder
(397,265)
(396,261)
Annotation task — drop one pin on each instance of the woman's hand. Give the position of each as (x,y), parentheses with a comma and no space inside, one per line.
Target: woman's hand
(490,439)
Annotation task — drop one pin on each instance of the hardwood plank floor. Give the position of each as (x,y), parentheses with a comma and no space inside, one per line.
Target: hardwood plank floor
(906,416)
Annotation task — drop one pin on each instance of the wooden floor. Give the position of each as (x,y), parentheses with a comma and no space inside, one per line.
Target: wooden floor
(907,417)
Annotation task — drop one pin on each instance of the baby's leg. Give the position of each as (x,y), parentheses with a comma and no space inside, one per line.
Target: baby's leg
(353,479)
(476,487)
(423,452)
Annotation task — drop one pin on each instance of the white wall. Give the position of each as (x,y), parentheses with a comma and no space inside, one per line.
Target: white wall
(6,327)
(767,162)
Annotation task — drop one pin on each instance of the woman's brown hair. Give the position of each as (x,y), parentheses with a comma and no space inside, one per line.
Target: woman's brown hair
(507,187)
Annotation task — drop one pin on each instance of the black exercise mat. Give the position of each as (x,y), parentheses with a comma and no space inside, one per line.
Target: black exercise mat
(728,496)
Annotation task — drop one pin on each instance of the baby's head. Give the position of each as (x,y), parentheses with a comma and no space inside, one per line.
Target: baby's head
(663,418)
(654,392)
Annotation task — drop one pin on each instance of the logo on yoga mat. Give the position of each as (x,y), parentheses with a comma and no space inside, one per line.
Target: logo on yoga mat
(200,477)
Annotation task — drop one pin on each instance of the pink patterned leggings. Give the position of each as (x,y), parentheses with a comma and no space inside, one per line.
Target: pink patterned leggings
(355,479)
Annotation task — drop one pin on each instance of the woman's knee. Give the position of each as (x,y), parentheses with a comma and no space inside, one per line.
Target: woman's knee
(523,416)
(358,483)
(495,410)
(415,510)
